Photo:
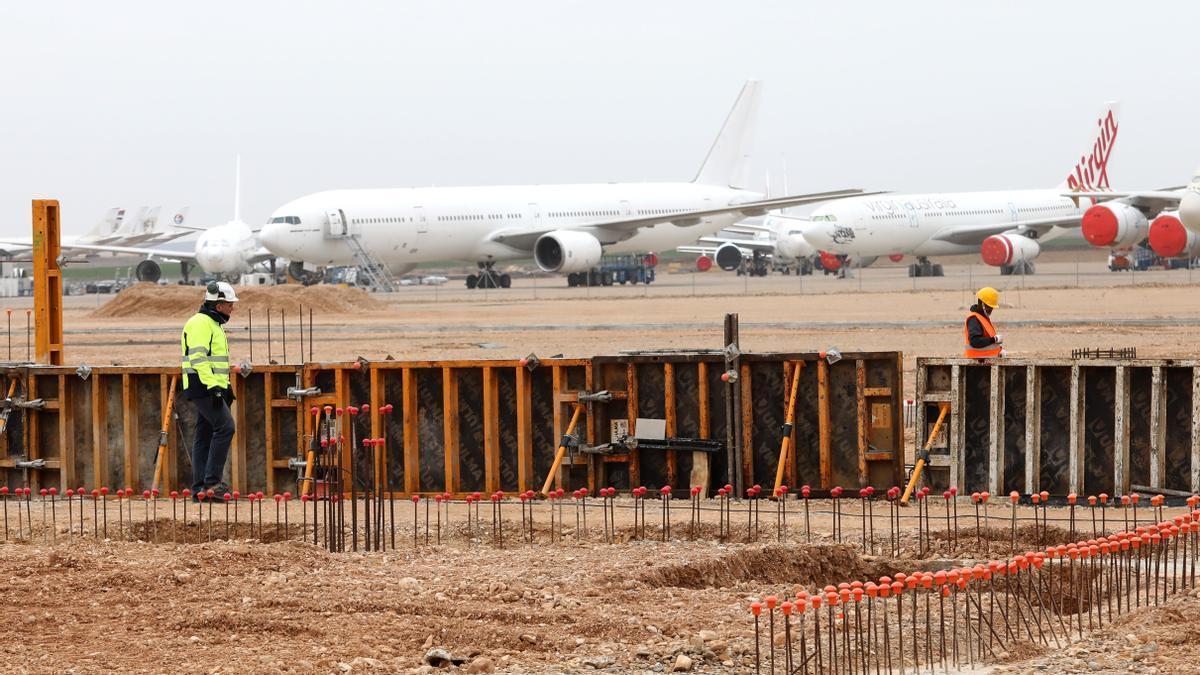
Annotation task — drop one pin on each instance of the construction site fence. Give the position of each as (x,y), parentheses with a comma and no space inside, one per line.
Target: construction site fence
(1113,426)
(466,426)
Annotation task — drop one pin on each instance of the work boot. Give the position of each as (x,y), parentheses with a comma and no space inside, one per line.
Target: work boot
(219,490)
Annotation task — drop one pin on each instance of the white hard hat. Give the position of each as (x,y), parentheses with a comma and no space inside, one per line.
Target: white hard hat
(219,290)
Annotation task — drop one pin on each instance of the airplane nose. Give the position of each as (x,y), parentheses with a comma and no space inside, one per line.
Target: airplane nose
(818,235)
(274,237)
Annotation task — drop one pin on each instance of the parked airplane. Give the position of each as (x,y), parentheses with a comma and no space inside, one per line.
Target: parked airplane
(225,251)
(1006,227)
(116,227)
(777,237)
(564,228)
(1122,219)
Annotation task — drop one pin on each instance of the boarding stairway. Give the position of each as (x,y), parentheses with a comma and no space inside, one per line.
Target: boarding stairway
(377,274)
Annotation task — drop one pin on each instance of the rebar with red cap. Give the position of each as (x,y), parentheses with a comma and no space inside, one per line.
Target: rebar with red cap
(805,492)
(666,512)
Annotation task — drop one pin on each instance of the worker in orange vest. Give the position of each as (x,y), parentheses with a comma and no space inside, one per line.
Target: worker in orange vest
(980,339)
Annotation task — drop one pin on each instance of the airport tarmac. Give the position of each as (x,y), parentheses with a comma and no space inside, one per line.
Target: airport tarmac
(1065,306)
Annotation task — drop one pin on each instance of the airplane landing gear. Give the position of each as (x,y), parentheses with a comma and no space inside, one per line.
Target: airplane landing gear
(488,277)
(1021,268)
(185,269)
(924,268)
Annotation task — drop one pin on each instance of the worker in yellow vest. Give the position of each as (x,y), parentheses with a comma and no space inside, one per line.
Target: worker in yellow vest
(206,385)
(980,339)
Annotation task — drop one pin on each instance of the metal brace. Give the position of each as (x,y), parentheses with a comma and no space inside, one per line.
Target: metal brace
(35,404)
(731,351)
(299,394)
(602,396)
(84,372)
(30,464)
(296,463)
(244,369)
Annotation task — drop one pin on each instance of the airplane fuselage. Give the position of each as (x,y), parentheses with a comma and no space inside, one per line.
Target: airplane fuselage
(909,224)
(407,226)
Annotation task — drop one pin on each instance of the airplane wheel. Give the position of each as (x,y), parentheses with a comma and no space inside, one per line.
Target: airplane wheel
(914,270)
(472,281)
(937,271)
(505,281)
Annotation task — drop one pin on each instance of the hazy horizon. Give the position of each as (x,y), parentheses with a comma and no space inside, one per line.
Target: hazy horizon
(138,103)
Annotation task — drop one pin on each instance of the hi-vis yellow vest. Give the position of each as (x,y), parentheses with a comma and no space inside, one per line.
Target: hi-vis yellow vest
(205,352)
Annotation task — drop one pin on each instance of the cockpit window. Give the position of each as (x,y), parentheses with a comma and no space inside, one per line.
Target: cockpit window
(825,218)
(290,220)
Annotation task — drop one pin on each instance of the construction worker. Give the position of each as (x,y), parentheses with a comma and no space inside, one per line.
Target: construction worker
(980,339)
(206,385)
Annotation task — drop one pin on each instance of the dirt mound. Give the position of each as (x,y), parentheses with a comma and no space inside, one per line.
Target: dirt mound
(146,300)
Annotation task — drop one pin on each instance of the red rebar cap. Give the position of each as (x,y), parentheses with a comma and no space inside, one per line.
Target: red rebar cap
(120,492)
(1045,495)
(1014,496)
(1091,500)
(95,493)
(104,491)
(278,497)
(1103,497)
(805,491)
(756,608)
(1125,500)
(70,492)
(786,607)
(666,489)
(314,410)
(771,601)
(1035,498)
(304,498)
(417,498)
(386,409)
(1135,498)
(186,492)
(836,492)
(145,494)
(328,409)
(365,408)
(696,490)
(984,496)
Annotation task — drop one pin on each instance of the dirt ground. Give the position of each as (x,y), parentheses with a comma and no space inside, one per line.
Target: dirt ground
(139,602)
(262,604)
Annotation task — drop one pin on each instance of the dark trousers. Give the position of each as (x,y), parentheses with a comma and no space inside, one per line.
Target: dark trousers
(214,431)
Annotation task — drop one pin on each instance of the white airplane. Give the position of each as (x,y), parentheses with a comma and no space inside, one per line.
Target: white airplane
(777,237)
(565,228)
(1006,227)
(1122,219)
(114,228)
(225,251)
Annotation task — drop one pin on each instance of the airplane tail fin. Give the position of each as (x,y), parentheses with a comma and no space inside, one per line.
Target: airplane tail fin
(726,164)
(109,224)
(1091,169)
(180,216)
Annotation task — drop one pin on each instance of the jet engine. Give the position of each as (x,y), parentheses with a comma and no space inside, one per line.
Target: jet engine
(148,270)
(1006,250)
(1170,239)
(567,251)
(1114,225)
(1189,208)
(728,257)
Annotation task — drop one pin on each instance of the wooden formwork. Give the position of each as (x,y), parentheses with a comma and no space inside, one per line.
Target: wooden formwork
(472,426)
(1062,425)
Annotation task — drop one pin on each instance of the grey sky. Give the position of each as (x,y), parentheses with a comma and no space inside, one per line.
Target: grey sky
(131,103)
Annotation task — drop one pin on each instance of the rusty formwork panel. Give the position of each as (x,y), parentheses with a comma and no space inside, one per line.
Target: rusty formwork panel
(1063,425)
(102,427)
(847,429)
(467,426)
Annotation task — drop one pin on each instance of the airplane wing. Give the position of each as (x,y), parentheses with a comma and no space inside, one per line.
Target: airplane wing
(975,234)
(613,231)
(161,254)
(1149,200)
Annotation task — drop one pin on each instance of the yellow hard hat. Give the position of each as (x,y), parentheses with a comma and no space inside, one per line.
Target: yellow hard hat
(989,296)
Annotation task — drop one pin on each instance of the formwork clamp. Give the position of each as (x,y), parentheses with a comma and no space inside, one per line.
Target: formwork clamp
(30,464)
(296,464)
(33,404)
(602,396)
(299,394)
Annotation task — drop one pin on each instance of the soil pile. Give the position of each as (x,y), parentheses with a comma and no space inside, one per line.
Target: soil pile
(151,300)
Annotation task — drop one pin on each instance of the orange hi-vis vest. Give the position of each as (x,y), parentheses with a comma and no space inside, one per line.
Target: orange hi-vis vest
(989,352)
